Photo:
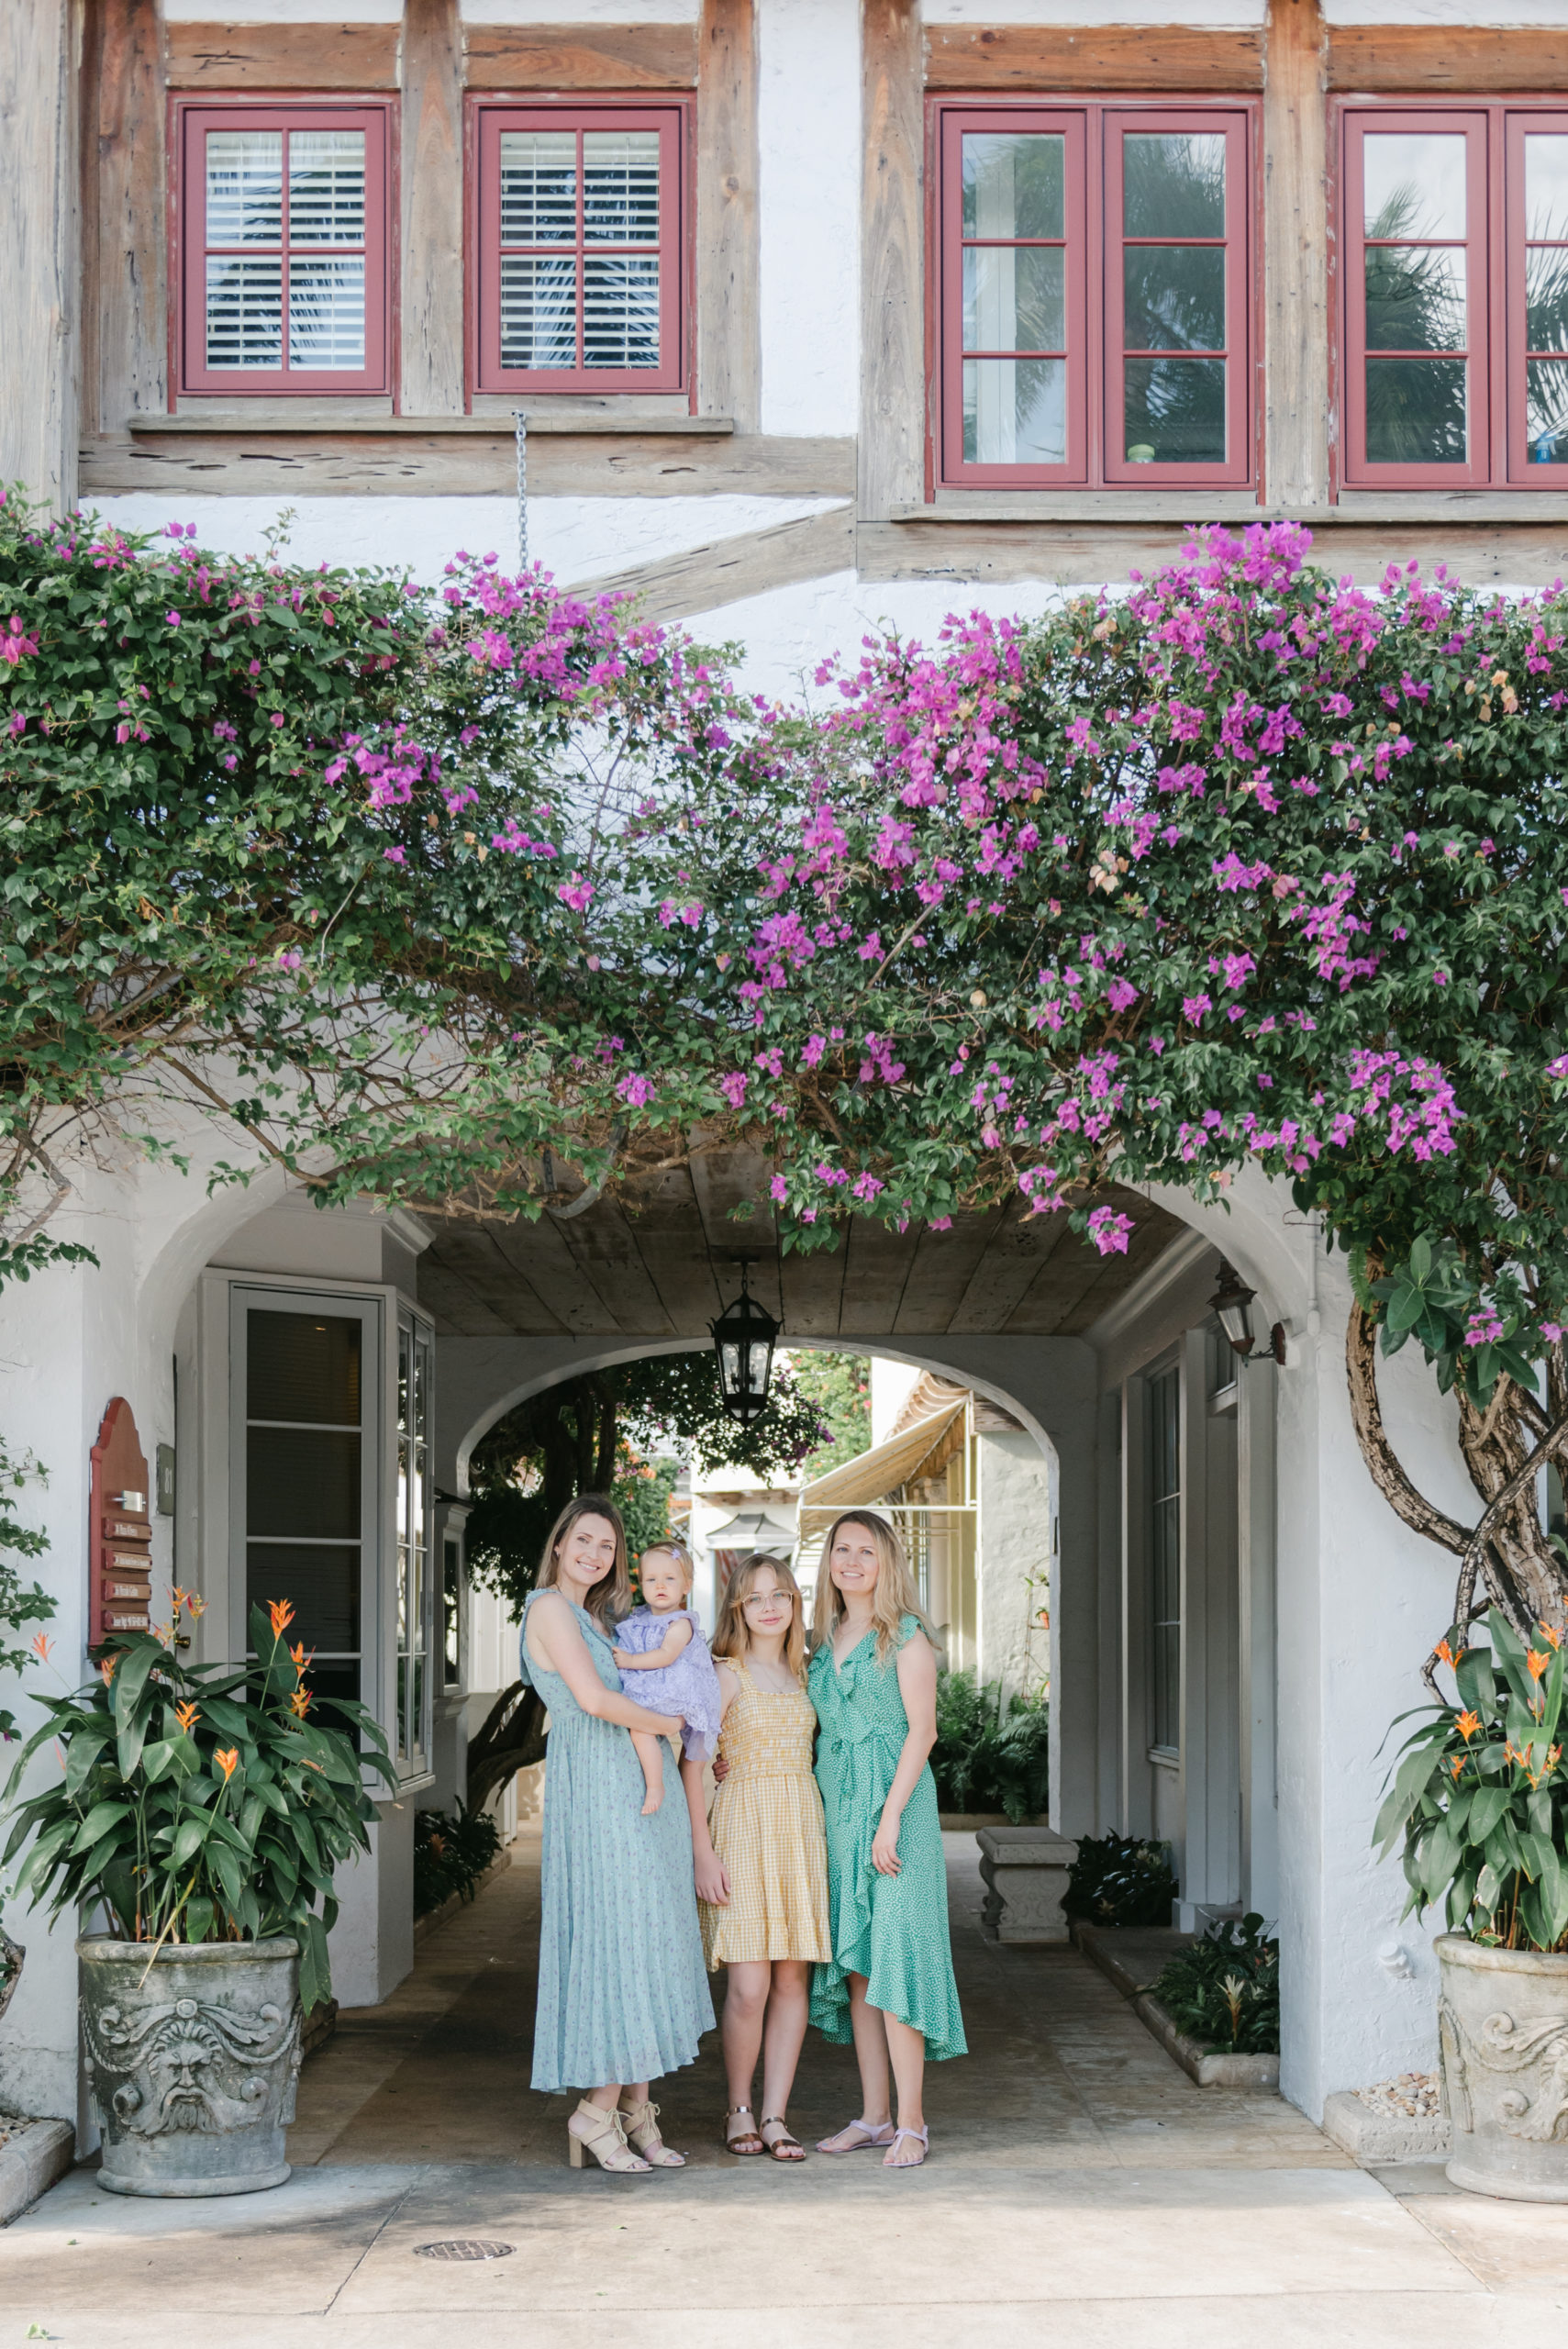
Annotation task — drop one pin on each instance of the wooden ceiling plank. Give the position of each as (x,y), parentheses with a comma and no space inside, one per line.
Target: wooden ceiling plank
(812,1286)
(453,1306)
(668,1230)
(469,1253)
(1015,1253)
(538,1253)
(601,1245)
(875,1277)
(724,1179)
(1151,1235)
(944,1266)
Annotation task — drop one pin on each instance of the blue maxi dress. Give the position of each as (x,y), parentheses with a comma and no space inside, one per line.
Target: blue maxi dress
(622,1985)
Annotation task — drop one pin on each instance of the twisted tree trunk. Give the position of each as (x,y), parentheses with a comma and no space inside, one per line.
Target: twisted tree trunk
(512,1738)
(1508,1554)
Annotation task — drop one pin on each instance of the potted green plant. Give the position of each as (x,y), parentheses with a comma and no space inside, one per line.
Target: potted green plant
(1480,1799)
(205,1810)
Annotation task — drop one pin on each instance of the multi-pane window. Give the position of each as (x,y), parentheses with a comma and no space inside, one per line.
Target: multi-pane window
(303,1471)
(1094,295)
(1454,330)
(284,265)
(580,249)
(415,1593)
(1166,1560)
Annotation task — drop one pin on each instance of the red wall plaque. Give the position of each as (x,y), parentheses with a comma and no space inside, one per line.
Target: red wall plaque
(120,1536)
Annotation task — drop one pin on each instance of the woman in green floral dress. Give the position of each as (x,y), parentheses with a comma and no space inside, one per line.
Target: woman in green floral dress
(889,1984)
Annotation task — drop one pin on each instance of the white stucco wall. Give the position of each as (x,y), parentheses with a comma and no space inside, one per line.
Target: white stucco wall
(1013,1558)
(808,143)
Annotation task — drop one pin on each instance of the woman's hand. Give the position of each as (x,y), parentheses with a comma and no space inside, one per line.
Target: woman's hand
(712,1879)
(885,1843)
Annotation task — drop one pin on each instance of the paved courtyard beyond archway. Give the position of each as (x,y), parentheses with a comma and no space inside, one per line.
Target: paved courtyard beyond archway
(1078,2180)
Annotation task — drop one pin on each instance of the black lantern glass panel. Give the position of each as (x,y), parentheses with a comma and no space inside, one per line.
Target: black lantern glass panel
(743,1339)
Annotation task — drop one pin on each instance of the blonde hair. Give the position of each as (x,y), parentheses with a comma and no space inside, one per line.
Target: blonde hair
(733,1637)
(894,1595)
(610,1599)
(676,1550)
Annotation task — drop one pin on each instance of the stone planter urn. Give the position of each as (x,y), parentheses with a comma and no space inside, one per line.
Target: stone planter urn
(1503,2020)
(192,2062)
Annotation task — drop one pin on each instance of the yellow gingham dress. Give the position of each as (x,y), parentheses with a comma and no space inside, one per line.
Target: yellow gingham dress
(767,1829)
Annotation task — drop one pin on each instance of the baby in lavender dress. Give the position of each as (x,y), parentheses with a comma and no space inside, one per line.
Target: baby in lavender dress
(665,1666)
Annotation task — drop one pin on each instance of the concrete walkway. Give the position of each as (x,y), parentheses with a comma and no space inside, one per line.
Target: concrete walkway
(1078,2179)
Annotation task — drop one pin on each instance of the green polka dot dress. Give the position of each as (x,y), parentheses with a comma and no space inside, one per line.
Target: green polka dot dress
(891,1929)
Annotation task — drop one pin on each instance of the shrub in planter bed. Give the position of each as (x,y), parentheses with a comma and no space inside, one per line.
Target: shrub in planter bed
(451,1854)
(988,1755)
(1224,1990)
(1120,1880)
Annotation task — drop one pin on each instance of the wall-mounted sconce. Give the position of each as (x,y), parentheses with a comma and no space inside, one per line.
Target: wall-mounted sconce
(1232,1305)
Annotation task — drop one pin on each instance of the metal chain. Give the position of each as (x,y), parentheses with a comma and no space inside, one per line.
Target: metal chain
(522,490)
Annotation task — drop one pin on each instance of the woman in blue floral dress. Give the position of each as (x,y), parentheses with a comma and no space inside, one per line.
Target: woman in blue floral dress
(623,1992)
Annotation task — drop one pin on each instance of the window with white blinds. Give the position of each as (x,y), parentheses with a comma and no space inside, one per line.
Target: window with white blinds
(286,262)
(581,256)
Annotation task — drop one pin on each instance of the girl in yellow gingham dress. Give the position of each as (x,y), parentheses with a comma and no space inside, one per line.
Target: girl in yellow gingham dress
(760,1862)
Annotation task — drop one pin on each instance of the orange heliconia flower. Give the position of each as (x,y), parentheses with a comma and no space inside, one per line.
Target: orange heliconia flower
(282,1612)
(106,1669)
(1457,1764)
(194,1607)
(227,1763)
(299,1703)
(1537,1659)
(1554,1639)
(1443,1653)
(187,1716)
(41,1645)
(1467,1724)
(300,1660)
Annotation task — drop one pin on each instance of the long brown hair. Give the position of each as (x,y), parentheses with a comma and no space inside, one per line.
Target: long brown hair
(610,1599)
(895,1597)
(733,1639)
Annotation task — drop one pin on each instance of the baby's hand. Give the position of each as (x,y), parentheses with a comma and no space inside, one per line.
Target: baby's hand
(623,1656)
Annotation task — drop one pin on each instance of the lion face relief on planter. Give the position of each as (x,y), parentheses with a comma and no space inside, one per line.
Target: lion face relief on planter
(192,2061)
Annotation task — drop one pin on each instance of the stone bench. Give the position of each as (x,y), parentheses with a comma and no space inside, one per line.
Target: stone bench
(1025,1872)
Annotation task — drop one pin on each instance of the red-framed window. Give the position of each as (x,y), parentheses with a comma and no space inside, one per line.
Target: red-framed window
(1454,320)
(1094,295)
(579,221)
(283,269)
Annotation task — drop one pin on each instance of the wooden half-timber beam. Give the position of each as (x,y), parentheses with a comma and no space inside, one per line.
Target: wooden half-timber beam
(1449,61)
(729,344)
(582,57)
(431,268)
(40,255)
(892,296)
(282,57)
(123,240)
(1296,417)
(729,570)
(1044,58)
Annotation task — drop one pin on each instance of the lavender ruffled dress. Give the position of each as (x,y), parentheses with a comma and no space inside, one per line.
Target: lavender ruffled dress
(688,1687)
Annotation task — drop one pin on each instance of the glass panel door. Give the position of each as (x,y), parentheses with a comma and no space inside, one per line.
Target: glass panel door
(303,1471)
(414,1504)
(1166,1560)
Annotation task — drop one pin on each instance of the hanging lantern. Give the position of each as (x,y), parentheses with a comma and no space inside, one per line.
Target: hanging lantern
(743,1339)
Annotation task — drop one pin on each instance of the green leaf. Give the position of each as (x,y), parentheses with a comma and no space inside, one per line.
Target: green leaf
(99,1820)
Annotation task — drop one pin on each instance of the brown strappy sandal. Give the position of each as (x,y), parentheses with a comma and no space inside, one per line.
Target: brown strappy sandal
(745,2140)
(774,2146)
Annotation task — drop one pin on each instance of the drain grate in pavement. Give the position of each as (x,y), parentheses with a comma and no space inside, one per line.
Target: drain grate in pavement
(460,2249)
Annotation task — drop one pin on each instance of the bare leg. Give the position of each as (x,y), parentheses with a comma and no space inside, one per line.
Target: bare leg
(871,2054)
(906,2046)
(649,1751)
(745,2004)
(783,2033)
